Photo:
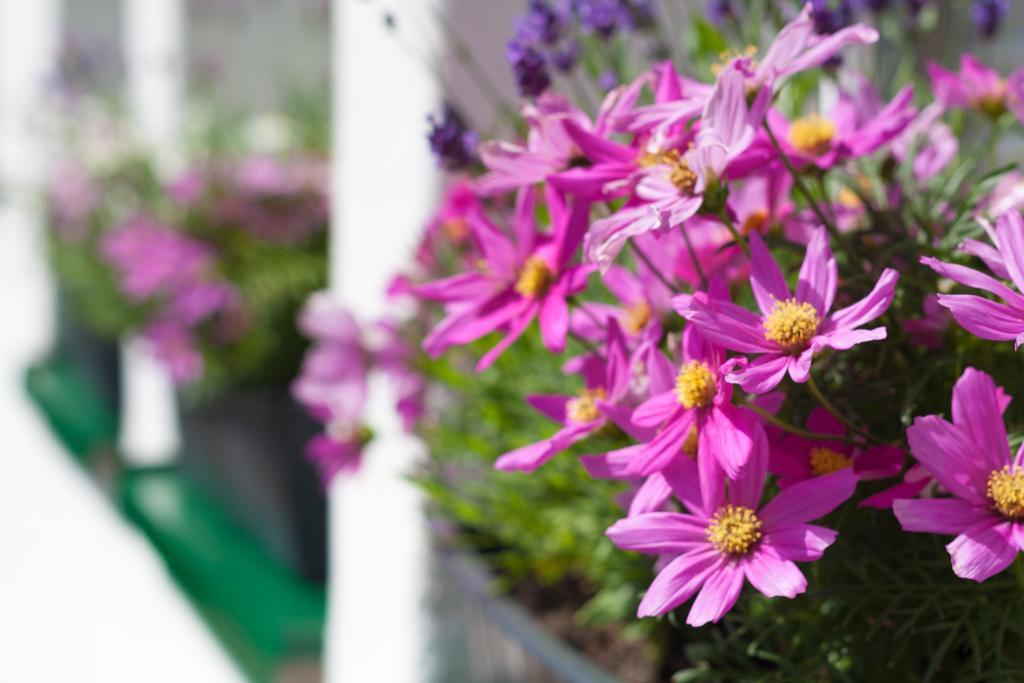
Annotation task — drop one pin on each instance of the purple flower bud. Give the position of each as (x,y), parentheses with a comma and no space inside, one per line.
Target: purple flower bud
(987,15)
(529,68)
(607,80)
(451,141)
(599,16)
(719,11)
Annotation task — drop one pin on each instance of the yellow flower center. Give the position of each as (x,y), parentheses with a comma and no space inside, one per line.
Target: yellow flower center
(754,221)
(636,317)
(812,134)
(993,103)
(826,461)
(734,530)
(695,385)
(1006,491)
(725,58)
(679,173)
(791,324)
(584,408)
(690,443)
(535,278)
(849,198)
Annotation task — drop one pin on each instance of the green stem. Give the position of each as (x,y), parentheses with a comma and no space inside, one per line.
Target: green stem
(693,257)
(723,215)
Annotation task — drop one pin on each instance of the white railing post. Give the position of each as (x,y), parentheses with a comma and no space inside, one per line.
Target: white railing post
(153,44)
(383,187)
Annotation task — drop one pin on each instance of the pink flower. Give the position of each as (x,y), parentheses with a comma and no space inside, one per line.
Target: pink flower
(560,136)
(642,302)
(971,459)
(333,378)
(607,383)
(978,87)
(671,183)
(928,331)
(930,141)
(692,402)
(522,280)
(979,316)
(795,459)
(790,329)
(847,131)
(797,48)
(726,536)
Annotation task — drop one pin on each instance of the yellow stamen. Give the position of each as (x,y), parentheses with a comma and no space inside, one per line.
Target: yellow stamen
(725,58)
(636,317)
(734,530)
(826,461)
(849,198)
(1006,491)
(535,278)
(754,221)
(690,443)
(812,134)
(679,172)
(584,408)
(695,385)
(791,324)
(993,103)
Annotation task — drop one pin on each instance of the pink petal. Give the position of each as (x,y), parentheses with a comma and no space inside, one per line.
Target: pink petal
(551,405)
(766,278)
(973,278)
(659,533)
(665,447)
(983,550)
(684,478)
(947,453)
(610,465)
(656,409)
(798,542)
(809,500)
(867,309)
(819,276)
(774,576)
(879,462)
(938,515)
(679,580)
(728,325)
(554,322)
(984,318)
(719,594)
(976,409)
(730,434)
(527,311)
(842,340)
(651,496)
(761,376)
(1010,239)
(884,500)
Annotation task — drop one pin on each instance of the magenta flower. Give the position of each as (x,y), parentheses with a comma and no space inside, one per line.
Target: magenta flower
(692,402)
(642,302)
(606,385)
(795,459)
(979,316)
(152,259)
(671,182)
(333,378)
(728,535)
(847,131)
(522,280)
(929,142)
(559,138)
(970,457)
(979,87)
(790,329)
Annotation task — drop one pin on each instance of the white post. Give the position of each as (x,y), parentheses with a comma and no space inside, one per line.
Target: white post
(383,187)
(154,57)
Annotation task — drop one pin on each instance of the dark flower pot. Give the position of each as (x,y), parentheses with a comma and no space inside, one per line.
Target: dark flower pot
(245,448)
(480,637)
(98,359)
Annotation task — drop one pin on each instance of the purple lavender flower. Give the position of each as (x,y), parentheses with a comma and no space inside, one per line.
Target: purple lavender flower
(608,80)
(719,11)
(529,67)
(828,19)
(599,16)
(543,24)
(987,15)
(451,141)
